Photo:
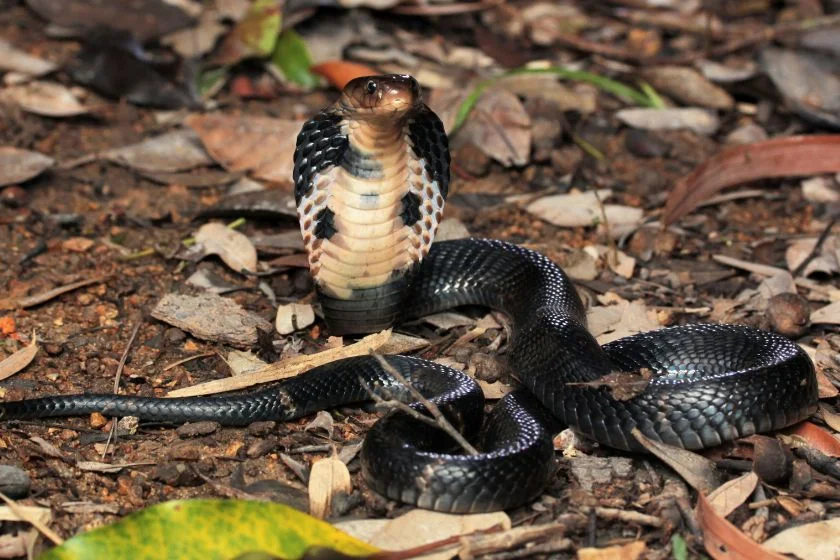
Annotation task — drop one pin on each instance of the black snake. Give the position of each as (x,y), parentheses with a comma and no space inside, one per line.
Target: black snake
(371,175)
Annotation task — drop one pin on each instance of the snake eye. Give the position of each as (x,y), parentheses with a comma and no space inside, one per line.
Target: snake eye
(370,87)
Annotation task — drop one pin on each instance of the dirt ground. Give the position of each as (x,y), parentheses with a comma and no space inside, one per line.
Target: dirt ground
(110,223)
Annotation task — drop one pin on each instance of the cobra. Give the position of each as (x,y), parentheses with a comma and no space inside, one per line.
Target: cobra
(371,176)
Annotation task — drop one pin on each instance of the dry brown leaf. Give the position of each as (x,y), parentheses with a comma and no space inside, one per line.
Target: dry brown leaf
(779,157)
(826,261)
(583,210)
(179,150)
(37,299)
(624,318)
(688,86)
(322,421)
(698,471)
(728,497)
(287,368)
(18,166)
(211,317)
(262,145)
(293,317)
(816,437)
(830,418)
(724,541)
(814,541)
(500,127)
(47,99)
(233,247)
(830,314)
(629,551)
(19,359)
(419,527)
(327,477)
(701,121)
(15,60)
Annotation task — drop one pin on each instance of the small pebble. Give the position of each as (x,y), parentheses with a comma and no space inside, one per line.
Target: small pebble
(53,349)
(196,429)
(789,314)
(14,482)
(186,451)
(176,474)
(14,196)
(97,420)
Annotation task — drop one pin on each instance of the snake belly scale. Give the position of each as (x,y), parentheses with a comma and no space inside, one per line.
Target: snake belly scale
(371,176)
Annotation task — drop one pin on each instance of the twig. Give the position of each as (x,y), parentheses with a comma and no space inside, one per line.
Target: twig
(820,240)
(112,433)
(42,527)
(440,420)
(188,359)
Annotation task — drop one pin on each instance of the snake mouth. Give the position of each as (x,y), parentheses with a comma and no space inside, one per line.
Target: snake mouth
(371,177)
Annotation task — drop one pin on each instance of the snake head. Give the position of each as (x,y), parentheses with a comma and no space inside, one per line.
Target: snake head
(389,96)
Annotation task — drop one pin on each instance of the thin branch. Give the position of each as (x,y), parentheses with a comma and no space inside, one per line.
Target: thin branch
(440,420)
(120,368)
(35,522)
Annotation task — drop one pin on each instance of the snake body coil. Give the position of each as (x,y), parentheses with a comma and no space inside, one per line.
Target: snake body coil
(708,384)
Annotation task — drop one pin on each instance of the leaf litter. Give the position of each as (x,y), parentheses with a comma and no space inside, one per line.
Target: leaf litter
(590,64)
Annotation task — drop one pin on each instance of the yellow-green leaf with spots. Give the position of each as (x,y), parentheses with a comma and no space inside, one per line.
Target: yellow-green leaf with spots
(209,530)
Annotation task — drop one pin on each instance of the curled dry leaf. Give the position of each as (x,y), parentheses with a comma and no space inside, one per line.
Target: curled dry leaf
(211,317)
(47,99)
(814,541)
(826,261)
(328,477)
(500,127)
(830,314)
(179,150)
(723,540)
(293,317)
(233,247)
(19,359)
(583,210)
(18,166)
(700,121)
(698,471)
(419,527)
(729,496)
(779,157)
(262,145)
(322,421)
(15,60)
(687,86)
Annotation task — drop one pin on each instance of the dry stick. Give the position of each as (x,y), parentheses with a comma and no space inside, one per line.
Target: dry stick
(42,527)
(188,359)
(820,240)
(440,421)
(120,367)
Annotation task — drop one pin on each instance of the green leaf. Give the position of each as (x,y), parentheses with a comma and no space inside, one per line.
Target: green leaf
(254,36)
(291,56)
(679,549)
(210,530)
(618,89)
